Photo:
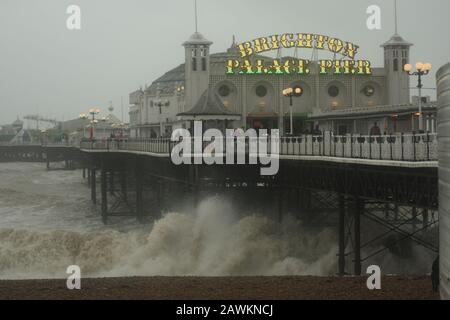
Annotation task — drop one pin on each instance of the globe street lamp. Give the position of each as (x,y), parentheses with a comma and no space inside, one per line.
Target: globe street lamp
(93,112)
(290,93)
(161,103)
(422,69)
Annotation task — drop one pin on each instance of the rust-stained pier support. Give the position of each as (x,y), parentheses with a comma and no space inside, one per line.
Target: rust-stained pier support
(93,186)
(104,194)
(139,192)
(342,241)
(359,208)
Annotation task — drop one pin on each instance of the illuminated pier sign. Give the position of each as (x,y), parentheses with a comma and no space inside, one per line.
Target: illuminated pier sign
(249,63)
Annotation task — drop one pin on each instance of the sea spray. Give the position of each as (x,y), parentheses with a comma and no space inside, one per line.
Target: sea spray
(213,241)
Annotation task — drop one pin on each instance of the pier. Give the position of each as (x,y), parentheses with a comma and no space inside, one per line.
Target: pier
(389,180)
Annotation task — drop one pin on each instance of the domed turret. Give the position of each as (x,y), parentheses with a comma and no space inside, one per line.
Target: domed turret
(396,55)
(197,60)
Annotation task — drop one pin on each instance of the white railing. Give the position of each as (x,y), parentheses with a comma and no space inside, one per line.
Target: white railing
(398,147)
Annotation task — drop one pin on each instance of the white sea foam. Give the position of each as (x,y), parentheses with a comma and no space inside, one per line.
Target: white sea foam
(209,243)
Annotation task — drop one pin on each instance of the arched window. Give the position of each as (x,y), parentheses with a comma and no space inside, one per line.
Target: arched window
(204,66)
(395,65)
(194,64)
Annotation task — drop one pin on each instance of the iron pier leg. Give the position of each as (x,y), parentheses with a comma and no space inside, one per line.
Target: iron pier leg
(426,218)
(359,207)
(139,193)
(93,187)
(341,235)
(111,182)
(280,205)
(387,208)
(299,204)
(161,203)
(104,187)
(84,173)
(194,186)
(123,184)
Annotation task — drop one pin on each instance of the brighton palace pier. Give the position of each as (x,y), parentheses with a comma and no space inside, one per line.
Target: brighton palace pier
(342,94)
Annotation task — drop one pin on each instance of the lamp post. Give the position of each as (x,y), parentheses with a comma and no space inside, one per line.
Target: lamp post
(161,103)
(422,69)
(83,116)
(93,112)
(291,93)
(104,120)
(44,137)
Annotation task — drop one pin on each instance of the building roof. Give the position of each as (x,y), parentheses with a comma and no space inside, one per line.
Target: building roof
(208,105)
(396,40)
(169,81)
(197,39)
(18,122)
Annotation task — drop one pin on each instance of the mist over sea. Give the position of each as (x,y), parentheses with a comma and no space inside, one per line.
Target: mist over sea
(47,222)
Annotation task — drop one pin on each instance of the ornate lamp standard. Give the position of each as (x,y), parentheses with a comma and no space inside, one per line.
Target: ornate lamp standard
(83,116)
(422,69)
(93,112)
(44,137)
(161,103)
(290,93)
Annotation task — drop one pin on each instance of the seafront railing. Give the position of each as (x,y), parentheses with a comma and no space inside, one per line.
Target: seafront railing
(395,147)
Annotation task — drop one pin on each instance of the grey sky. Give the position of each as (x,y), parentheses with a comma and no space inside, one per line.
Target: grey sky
(47,69)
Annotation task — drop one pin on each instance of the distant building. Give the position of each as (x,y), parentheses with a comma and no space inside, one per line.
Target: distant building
(104,127)
(22,137)
(9,131)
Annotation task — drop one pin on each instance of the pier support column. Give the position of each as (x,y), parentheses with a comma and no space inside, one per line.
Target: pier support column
(123,185)
(194,185)
(425,218)
(104,187)
(139,193)
(89,176)
(299,203)
(414,217)
(341,236)
(359,207)
(280,205)
(84,173)
(111,182)
(93,187)
(387,210)
(396,212)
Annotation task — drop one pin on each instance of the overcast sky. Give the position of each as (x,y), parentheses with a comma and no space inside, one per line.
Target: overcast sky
(47,69)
